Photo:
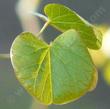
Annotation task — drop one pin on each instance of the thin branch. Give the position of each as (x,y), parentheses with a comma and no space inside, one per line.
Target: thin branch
(41,16)
(43,28)
(4,56)
(36,105)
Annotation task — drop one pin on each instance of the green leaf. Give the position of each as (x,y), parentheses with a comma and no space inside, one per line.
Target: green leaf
(63,19)
(57,73)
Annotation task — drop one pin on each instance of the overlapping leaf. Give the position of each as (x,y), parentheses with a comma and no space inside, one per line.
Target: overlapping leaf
(64,19)
(57,73)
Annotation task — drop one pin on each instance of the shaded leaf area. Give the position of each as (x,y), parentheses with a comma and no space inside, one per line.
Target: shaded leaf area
(64,19)
(57,73)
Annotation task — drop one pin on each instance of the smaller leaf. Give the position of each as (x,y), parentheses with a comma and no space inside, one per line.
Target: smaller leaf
(63,19)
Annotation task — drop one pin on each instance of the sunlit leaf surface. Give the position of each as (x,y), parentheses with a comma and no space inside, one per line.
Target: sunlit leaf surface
(106,73)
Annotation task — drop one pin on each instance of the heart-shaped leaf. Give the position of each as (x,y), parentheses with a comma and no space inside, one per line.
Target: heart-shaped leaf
(64,19)
(57,73)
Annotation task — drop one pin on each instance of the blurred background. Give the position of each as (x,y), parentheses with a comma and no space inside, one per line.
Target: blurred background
(14,19)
